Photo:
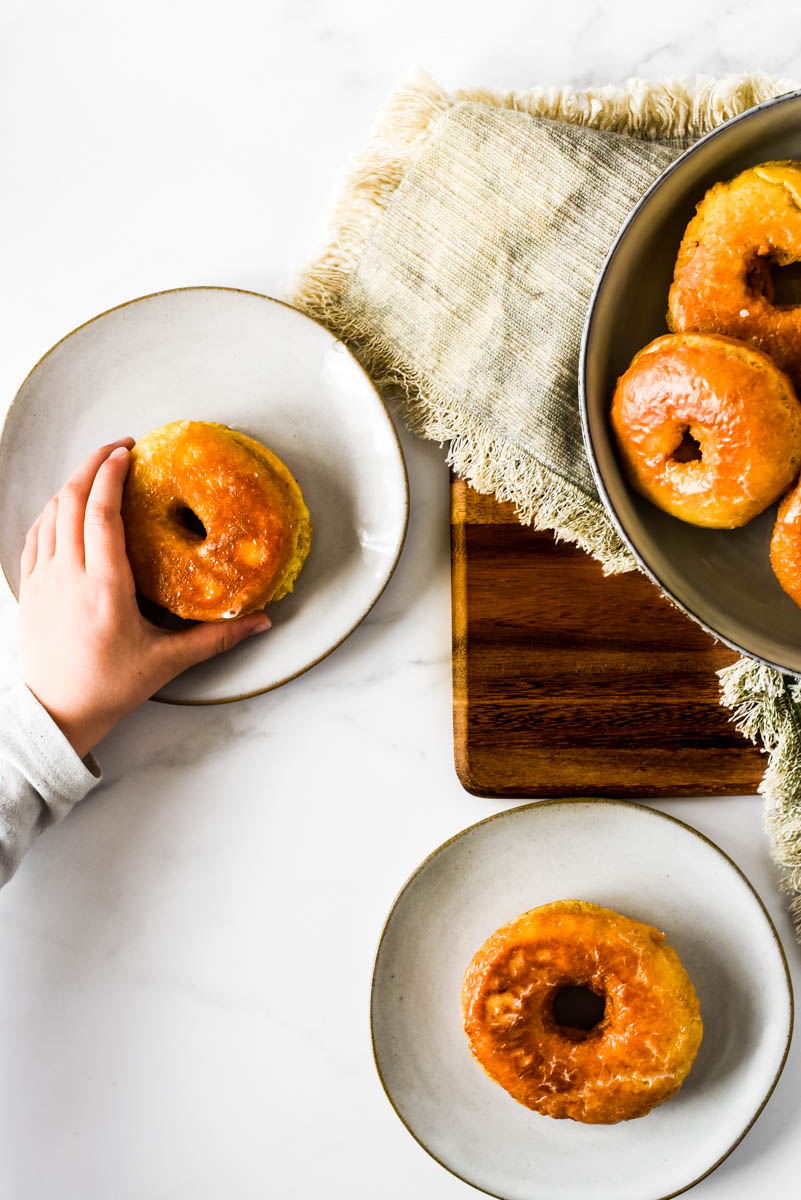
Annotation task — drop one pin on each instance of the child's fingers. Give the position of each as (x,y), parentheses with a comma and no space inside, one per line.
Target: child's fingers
(205,639)
(28,558)
(73,498)
(46,535)
(104,536)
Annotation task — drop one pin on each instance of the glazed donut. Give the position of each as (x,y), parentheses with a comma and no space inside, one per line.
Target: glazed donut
(722,281)
(215,525)
(707,428)
(785,545)
(635,1057)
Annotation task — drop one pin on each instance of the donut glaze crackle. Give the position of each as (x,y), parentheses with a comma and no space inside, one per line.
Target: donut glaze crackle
(722,281)
(707,428)
(635,1057)
(215,524)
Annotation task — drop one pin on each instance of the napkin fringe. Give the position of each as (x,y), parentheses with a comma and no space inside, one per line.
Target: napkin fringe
(764,706)
(484,459)
(493,466)
(540,496)
(666,109)
(671,108)
(403,128)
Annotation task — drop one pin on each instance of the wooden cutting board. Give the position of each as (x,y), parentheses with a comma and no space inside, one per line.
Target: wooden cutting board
(570,683)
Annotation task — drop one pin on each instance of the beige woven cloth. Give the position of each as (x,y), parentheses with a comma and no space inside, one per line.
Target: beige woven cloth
(461,260)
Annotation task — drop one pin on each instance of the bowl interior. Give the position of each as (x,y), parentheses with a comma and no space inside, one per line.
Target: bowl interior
(722,579)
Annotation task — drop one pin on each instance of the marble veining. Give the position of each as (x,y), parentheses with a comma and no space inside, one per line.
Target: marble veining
(187,959)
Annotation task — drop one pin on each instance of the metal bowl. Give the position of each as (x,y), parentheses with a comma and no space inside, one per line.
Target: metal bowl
(722,579)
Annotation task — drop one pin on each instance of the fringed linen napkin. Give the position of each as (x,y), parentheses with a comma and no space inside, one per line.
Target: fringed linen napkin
(461,261)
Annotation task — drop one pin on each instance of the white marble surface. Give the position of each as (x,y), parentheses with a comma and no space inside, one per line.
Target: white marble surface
(186,960)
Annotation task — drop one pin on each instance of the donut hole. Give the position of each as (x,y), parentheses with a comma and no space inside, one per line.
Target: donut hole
(577,1009)
(759,276)
(786,284)
(688,449)
(777,282)
(190,522)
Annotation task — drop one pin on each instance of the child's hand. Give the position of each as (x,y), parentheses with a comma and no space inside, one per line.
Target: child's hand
(88,655)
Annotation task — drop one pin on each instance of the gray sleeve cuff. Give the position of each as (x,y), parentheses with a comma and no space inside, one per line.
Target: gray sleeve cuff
(34,744)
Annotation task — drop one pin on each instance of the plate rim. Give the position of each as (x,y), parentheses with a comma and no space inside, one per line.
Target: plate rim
(212,287)
(589,446)
(593,800)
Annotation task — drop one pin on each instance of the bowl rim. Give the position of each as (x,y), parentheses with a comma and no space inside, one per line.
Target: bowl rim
(564,801)
(589,447)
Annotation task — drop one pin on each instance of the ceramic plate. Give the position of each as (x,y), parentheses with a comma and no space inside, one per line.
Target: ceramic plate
(720,578)
(218,354)
(640,863)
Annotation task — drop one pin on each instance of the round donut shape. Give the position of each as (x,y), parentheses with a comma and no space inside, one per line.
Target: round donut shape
(637,1055)
(722,281)
(215,524)
(707,428)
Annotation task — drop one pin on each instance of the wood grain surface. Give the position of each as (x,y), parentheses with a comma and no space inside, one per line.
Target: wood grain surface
(567,682)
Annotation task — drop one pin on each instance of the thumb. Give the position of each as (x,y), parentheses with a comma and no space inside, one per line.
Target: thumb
(208,638)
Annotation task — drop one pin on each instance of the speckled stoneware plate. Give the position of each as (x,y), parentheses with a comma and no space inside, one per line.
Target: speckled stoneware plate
(640,863)
(721,579)
(219,354)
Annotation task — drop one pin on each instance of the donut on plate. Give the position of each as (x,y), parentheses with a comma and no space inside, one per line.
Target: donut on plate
(635,1057)
(215,525)
(722,281)
(707,428)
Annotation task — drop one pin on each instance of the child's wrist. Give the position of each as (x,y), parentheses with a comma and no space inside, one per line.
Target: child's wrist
(82,730)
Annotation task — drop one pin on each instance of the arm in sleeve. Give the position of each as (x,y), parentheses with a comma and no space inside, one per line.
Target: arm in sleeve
(41,776)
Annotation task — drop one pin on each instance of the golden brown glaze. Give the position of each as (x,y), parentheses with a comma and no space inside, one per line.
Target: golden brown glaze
(708,428)
(257,528)
(785,545)
(636,1057)
(722,281)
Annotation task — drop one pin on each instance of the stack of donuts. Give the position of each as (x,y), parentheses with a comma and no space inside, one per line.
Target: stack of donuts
(706,418)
